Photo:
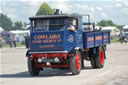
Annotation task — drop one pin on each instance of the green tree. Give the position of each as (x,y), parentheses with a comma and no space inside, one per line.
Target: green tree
(106,23)
(44,10)
(18,25)
(120,27)
(111,23)
(5,22)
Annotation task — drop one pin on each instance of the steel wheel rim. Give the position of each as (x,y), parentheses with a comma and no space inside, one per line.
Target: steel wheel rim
(102,57)
(78,62)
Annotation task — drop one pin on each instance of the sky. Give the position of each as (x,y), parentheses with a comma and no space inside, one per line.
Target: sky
(115,10)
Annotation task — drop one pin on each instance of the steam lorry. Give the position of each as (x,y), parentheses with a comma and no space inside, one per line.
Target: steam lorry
(57,47)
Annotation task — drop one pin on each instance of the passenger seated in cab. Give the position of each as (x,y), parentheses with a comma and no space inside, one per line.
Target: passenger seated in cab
(40,26)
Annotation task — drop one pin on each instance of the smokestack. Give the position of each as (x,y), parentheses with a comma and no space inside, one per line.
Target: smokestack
(57,12)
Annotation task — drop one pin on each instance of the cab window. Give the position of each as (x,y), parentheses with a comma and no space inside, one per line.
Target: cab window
(75,23)
(47,24)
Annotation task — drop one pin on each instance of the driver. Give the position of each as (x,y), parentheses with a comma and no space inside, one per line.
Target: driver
(70,26)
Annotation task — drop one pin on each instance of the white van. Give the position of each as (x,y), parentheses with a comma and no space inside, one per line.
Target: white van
(125,31)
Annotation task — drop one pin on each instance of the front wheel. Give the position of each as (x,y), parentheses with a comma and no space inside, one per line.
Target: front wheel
(76,63)
(32,69)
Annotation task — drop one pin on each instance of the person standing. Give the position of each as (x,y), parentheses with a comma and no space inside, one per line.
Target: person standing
(10,39)
(14,40)
(1,41)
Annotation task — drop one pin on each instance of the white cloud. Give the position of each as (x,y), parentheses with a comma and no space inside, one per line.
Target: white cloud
(125,3)
(1,11)
(29,0)
(34,3)
(85,7)
(125,11)
(9,9)
(23,9)
(118,5)
(99,8)
(117,0)
(38,0)
(62,5)
(92,9)
(104,14)
(80,6)
(12,16)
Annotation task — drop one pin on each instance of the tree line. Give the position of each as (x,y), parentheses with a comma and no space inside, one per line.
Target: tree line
(7,24)
(105,23)
(45,9)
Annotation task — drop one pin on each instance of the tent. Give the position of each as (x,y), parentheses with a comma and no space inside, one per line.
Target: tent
(7,33)
(1,29)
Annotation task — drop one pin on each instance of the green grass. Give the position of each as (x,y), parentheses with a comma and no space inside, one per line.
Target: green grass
(17,45)
(116,40)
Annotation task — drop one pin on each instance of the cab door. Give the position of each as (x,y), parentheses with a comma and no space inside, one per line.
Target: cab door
(74,39)
(70,40)
(79,33)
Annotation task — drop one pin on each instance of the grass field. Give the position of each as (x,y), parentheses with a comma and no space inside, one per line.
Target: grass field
(116,40)
(17,45)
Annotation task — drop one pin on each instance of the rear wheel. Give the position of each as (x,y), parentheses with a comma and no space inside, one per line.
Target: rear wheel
(32,69)
(97,61)
(76,63)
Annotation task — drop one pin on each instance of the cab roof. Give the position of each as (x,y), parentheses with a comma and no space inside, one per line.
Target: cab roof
(56,16)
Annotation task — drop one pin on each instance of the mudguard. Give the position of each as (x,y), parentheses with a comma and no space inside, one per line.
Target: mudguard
(104,51)
(27,53)
(73,51)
